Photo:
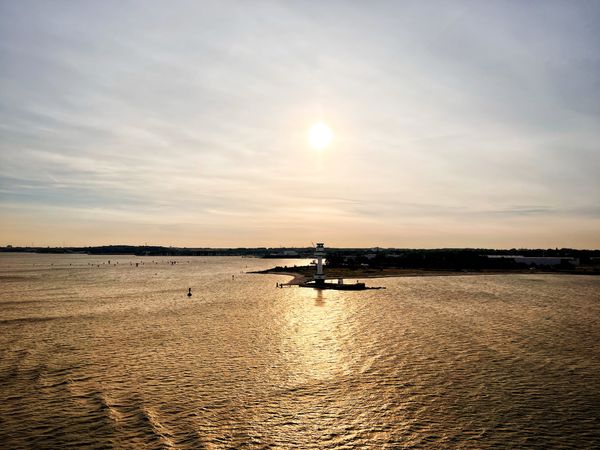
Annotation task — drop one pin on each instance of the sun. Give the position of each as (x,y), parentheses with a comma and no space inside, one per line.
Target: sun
(320,136)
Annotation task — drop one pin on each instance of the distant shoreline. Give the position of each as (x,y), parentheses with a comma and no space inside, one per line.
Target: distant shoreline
(302,274)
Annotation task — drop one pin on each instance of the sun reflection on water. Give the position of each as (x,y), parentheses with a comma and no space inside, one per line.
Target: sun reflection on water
(313,340)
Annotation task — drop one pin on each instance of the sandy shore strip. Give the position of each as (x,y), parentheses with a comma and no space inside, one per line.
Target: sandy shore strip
(303,274)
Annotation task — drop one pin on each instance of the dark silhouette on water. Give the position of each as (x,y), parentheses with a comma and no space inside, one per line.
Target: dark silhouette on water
(319,278)
(189,294)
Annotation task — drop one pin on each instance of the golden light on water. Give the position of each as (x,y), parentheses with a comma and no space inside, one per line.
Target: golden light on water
(314,338)
(320,136)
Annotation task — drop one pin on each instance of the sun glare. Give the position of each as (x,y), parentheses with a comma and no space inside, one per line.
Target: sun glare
(320,136)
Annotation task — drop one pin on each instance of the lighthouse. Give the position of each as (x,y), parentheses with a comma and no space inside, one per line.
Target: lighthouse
(319,277)
(319,255)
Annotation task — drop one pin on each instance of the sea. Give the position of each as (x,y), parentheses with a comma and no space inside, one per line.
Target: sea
(110,352)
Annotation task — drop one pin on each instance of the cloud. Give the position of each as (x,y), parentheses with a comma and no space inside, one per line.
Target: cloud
(195,113)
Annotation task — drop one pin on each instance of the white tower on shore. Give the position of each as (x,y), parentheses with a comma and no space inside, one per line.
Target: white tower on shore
(319,255)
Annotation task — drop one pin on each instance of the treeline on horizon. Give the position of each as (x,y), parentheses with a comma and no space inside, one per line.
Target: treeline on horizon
(457,259)
(334,255)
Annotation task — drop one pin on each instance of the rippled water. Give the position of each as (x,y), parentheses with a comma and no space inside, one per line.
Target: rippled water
(118,356)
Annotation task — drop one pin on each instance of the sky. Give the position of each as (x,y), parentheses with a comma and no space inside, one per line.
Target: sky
(184,123)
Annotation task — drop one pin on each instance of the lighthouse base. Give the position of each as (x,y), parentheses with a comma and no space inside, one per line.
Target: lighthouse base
(321,284)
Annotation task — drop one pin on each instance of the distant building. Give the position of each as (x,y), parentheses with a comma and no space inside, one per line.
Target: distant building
(539,260)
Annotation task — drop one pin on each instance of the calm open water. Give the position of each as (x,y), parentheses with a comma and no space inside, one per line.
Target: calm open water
(118,356)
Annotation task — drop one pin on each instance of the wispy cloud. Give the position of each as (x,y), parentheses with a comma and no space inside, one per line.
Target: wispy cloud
(466,119)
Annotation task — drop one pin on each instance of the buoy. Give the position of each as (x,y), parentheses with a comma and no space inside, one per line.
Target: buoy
(189,292)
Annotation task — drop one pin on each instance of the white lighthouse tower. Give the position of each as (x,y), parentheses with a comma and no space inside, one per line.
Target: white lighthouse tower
(319,255)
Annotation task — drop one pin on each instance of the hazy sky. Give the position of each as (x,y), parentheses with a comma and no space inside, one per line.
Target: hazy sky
(456,124)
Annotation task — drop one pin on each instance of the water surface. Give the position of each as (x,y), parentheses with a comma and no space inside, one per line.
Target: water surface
(101,355)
